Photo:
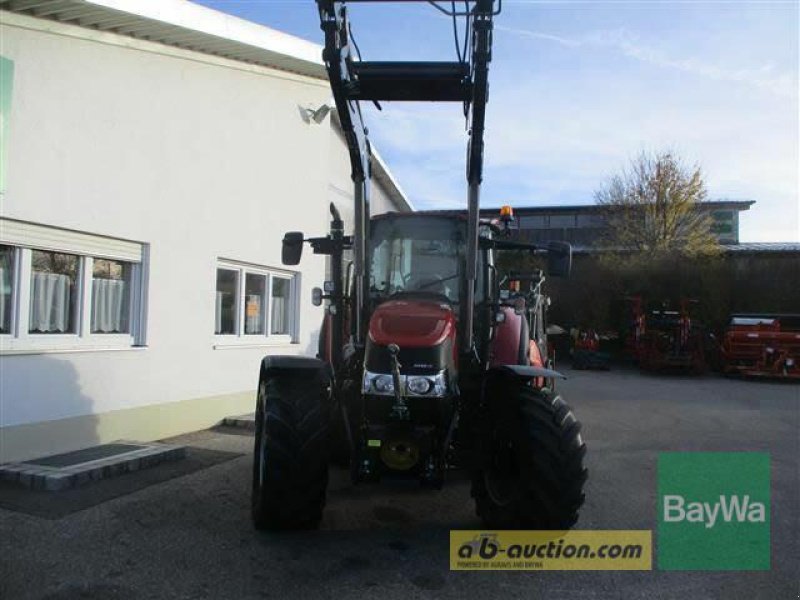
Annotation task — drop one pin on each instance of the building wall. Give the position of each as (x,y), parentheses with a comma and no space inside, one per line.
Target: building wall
(198,159)
(340,187)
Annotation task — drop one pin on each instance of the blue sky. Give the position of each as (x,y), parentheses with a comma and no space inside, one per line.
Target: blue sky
(579,88)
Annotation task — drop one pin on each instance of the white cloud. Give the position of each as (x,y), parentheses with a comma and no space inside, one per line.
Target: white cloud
(763,77)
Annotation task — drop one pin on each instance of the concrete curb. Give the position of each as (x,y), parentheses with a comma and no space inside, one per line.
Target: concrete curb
(241,421)
(52,479)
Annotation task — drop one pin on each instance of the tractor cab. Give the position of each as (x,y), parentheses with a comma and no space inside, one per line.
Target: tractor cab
(417,256)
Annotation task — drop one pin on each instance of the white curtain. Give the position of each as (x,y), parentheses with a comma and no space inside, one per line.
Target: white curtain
(218,314)
(5,295)
(50,302)
(109,306)
(253,321)
(279,315)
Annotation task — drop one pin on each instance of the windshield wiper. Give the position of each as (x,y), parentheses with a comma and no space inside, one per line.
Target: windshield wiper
(438,281)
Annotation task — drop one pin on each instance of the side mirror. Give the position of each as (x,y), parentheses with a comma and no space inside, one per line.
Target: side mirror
(559,259)
(292,247)
(316,296)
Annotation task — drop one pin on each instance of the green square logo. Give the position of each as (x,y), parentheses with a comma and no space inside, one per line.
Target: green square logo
(713,511)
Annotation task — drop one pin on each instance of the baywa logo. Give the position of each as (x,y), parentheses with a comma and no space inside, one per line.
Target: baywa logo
(713,511)
(728,508)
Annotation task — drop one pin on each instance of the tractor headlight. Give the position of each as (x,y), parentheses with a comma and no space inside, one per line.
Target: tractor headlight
(434,386)
(384,384)
(378,383)
(419,385)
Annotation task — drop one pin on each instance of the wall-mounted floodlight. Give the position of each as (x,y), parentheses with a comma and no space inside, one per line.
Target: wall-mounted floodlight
(315,115)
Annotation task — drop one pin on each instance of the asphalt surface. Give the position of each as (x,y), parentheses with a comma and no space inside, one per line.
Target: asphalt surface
(191,537)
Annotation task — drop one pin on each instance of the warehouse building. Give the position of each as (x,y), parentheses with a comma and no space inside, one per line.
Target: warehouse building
(153,155)
(584,225)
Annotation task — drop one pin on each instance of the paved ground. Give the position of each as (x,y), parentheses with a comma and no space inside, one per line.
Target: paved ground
(190,537)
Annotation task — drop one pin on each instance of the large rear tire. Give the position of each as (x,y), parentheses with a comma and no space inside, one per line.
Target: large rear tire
(530,473)
(290,457)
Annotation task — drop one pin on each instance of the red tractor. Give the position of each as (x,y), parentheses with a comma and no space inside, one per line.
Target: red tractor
(425,362)
(762,346)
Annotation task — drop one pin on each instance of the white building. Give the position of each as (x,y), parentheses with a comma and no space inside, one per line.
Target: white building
(154,153)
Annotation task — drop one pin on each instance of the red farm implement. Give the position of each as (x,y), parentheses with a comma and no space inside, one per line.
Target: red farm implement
(636,328)
(762,346)
(670,340)
(586,352)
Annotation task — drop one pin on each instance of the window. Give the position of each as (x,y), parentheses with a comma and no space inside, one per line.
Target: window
(227,290)
(416,254)
(532,222)
(6,287)
(591,221)
(562,221)
(254,305)
(64,290)
(722,222)
(54,298)
(281,299)
(111,296)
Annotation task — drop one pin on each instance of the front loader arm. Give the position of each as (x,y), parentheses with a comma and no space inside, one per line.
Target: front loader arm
(464,81)
(338,58)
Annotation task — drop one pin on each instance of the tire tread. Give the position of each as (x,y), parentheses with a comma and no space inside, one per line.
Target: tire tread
(293,415)
(550,452)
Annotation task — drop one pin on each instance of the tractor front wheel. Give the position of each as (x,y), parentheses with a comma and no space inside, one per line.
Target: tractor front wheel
(530,473)
(290,457)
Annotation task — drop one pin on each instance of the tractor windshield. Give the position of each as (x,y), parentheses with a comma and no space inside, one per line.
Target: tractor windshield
(417,254)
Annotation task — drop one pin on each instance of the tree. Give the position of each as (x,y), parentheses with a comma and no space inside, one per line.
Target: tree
(652,209)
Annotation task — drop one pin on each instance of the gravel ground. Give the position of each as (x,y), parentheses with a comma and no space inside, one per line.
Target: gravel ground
(191,537)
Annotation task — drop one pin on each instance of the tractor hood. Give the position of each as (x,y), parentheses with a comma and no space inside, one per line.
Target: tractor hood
(412,323)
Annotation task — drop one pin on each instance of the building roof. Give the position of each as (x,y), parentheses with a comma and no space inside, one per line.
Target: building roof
(760,247)
(739,205)
(591,208)
(187,25)
(742,248)
(382,174)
